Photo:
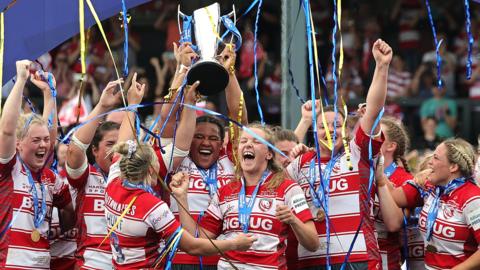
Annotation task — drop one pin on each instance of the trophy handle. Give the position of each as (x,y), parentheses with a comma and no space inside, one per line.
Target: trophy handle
(234,15)
(179,14)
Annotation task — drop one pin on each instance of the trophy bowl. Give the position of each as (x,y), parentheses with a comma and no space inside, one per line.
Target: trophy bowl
(212,75)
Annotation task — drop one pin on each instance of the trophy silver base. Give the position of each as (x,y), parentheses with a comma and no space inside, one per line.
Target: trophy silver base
(213,77)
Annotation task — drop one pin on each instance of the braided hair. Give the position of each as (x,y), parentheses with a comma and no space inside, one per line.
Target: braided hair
(461,152)
(396,132)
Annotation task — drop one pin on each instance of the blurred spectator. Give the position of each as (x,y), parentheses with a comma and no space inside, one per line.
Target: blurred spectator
(449,63)
(423,82)
(399,79)
(443,110)
(272,94)
(429,140)
(408,13)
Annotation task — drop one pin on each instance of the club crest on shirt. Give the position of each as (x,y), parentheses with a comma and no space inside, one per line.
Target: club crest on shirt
(448,211)
(265,204)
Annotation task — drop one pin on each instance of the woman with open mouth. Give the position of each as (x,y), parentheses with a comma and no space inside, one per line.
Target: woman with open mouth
(260,201)
(450,218)
(28,188)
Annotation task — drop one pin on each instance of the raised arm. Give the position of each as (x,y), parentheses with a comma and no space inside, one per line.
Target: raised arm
(49,105)
(11,111)
(233,92)
(134,96)
(184,56)
(306,121)
(378,89)
(76,155)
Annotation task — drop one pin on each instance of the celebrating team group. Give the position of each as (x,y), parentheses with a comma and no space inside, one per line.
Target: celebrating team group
(230,197)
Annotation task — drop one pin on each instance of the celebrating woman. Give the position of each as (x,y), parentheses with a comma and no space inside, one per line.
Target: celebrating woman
(450,217)
(28,189)
(259,201)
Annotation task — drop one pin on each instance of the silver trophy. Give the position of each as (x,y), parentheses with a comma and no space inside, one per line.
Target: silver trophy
(207,22)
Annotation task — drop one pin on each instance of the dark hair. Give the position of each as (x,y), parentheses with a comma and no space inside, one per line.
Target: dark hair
(99,133)
(282,134)
(213,120)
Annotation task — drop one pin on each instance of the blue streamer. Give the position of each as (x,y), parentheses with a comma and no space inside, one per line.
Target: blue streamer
(260,112)
(437,46)
(289,59)
(254,2)
(370,184)
(405,239)
(306,8)
(470,39)
(231,28)
(186,34)
(125,41)
(167,244)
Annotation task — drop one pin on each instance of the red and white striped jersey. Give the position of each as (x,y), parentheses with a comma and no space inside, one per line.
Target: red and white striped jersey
(136,239)
(91,223)
(199,198)
(398,83)
(408,35)
(62,246)
(268,251)
(349,203)
(17,249)
(416,256)
(456,231)
(389,243)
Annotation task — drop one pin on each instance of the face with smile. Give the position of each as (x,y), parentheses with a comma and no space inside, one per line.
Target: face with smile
(101,151)
(331,126)
(284,146)
(34,146)
(442,171)
(253,154)
(206,145)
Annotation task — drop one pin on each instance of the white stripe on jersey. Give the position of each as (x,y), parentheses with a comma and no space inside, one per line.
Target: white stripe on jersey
(97,259)
(32,258)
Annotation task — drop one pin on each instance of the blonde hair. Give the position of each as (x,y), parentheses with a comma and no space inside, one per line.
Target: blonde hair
(397,133)
(24,123)
(136,168)
(272,165)
(461,152)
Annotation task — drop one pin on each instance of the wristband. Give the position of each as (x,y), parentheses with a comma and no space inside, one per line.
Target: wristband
(79,144)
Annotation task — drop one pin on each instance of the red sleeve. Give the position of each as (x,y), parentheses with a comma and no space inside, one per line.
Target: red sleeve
(413,195)
(6,169)
(81,181)
(211,223)
(61,195)
(363,140)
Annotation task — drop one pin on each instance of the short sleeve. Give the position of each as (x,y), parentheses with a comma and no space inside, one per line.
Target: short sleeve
(293,168)
(362,140)
(295,199)
(6,167)
(471,213)
(212,221)
(412,194)
(80,181)
(61,193)
(114,171)
(162,220)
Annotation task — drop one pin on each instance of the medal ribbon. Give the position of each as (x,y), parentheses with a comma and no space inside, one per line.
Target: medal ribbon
(39,214)
(390,169)
(244,207)
(209,176)
(439,192)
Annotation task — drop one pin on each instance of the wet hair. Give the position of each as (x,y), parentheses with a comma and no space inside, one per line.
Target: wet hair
(272,165)
(396,132)
(213,120)
(98,137)
(461,152)
(282,134)
(136,168)
(25,122)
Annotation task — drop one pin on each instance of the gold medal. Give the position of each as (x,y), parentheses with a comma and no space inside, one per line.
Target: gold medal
(320,215)
(35,236)
(431,248)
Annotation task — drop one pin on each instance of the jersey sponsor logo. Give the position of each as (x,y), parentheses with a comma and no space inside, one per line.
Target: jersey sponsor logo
(98,205)
(112,219)
(255,223)
(474,218)
(438,228)
(299,203)
(56,232)
(119,207)
(416,251)
(338,185)
(265,204)
(197,183)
